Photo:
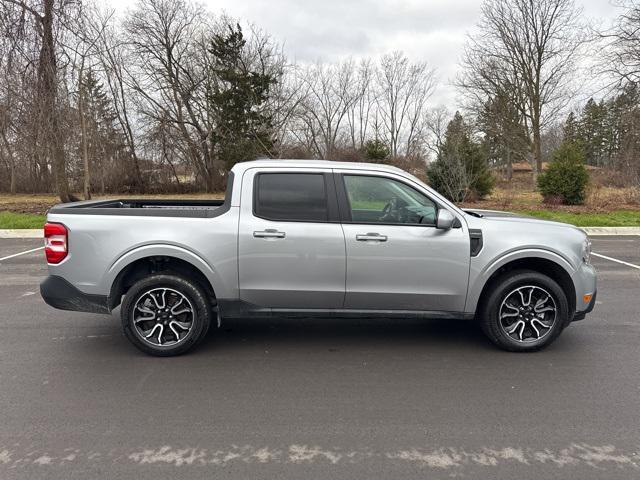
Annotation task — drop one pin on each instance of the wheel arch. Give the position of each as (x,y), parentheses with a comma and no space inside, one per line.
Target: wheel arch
(146,261)
(543,262)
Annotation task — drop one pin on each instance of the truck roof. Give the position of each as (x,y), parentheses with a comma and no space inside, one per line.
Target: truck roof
(242,166)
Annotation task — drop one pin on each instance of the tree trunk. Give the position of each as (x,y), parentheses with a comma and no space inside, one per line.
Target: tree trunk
(537,141)
(83,133)
(212,167)
(48,94)
(11,161)
(210,181)
(537,150)
(138,181)
(12,187)
(118,92)
(165,156)
(102,174)
(60,170)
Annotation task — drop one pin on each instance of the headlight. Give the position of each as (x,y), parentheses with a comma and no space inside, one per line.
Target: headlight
(586,250)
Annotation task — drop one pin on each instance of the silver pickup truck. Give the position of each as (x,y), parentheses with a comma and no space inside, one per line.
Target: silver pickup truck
(315,238)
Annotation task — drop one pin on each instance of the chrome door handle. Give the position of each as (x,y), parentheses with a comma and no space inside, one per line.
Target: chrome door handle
(375,237)
(269,233)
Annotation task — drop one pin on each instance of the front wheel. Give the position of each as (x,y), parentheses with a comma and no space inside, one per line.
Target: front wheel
(525,311)
(165,314)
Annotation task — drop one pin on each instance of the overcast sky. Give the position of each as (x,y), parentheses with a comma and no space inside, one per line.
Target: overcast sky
(329,30)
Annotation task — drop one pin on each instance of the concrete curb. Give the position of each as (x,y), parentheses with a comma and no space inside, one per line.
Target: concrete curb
(22,233)
(612,230)
(37,232)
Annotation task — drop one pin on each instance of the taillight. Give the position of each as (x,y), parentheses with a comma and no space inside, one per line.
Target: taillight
(55,242)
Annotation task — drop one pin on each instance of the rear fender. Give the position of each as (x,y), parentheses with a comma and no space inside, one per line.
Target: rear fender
(165,250)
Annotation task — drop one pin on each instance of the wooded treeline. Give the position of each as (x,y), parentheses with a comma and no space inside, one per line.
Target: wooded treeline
(168,96)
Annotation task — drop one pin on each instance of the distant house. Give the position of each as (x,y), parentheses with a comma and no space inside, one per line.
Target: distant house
(525,167)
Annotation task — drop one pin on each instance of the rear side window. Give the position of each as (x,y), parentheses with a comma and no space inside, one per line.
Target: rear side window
(298,197)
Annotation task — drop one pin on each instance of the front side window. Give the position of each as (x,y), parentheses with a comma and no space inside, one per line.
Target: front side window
(291,197)
(384,200)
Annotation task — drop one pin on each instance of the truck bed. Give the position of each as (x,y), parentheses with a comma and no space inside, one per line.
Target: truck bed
(144,207)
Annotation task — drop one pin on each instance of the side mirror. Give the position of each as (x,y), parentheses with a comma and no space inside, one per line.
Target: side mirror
(445,219)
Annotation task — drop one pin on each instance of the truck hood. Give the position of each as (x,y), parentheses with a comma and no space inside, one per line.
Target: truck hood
(506,232)
(513,217)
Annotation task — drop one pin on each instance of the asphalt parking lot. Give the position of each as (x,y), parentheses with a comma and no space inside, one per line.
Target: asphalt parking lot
(318,398)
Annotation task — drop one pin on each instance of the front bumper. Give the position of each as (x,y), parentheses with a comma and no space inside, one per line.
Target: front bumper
(59,293)
(585,283)
(589,309)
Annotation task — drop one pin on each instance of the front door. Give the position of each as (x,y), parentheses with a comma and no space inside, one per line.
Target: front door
(291,246)
(396,258)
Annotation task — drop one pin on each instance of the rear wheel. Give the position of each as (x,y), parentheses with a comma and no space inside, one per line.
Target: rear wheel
(525,311)
(165,314)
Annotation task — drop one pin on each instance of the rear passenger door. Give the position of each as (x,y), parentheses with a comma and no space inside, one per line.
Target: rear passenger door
(291,246)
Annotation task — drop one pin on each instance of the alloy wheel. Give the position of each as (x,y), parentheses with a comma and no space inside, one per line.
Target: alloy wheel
(527,314)
(163,317)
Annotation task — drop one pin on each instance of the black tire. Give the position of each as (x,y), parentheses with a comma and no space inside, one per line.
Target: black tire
(501,290)
(196,300)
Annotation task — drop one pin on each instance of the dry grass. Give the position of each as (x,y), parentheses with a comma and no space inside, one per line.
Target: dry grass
(605,206)
(520,195)
(515,195)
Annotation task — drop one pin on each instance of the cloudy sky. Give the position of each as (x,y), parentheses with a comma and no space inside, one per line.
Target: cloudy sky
(329,30)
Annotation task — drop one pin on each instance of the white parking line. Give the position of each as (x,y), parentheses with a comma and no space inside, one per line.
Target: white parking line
(606,258)
(21,253)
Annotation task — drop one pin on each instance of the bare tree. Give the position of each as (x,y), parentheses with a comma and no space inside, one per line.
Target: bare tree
(90,27)
(172,73)
(46,16)
(112,57)
(6,149)
(8,107)
(284,103)
(437,120)
(621,57)
(530,49)
(456,180)
(403,91)
(329,96)
(358,116)
(92,100)
(26,162)
(168,73)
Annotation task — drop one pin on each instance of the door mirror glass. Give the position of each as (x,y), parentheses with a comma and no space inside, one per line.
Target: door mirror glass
(445,219)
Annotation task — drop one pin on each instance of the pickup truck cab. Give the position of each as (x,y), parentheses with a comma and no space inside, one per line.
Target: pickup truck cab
(315,238)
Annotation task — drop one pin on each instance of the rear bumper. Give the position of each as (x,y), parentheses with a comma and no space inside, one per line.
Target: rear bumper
(59,293)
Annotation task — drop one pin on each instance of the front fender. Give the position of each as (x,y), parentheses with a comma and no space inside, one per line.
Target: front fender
(166,250)
(479,277)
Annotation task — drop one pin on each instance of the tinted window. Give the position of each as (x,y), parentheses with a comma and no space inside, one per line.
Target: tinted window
(383,200)
(291,196)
